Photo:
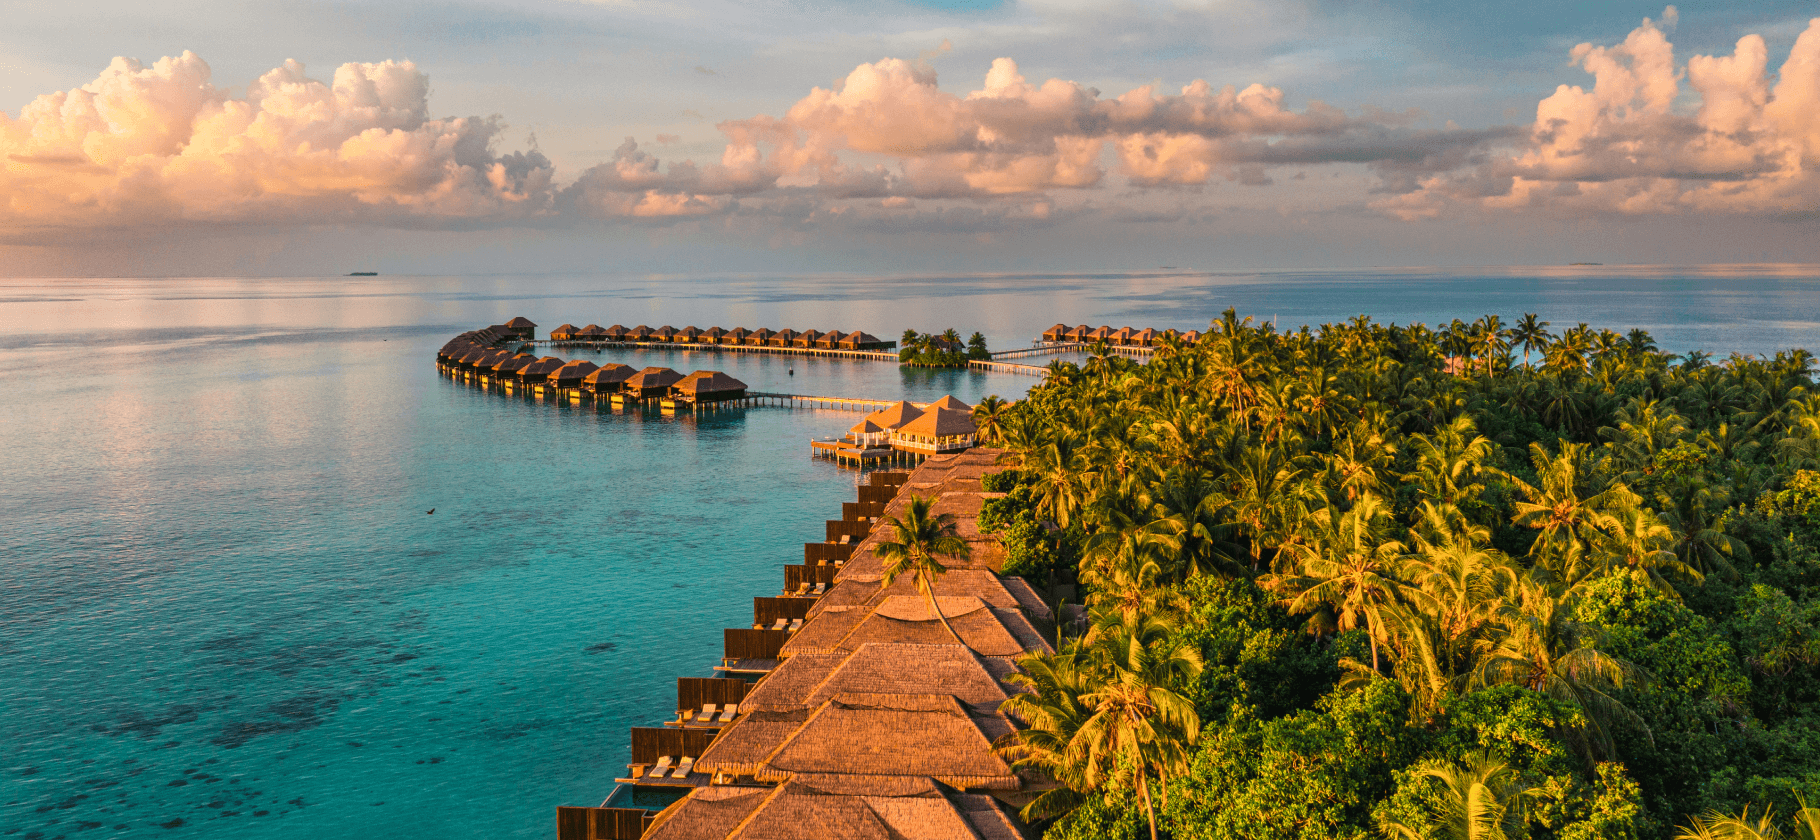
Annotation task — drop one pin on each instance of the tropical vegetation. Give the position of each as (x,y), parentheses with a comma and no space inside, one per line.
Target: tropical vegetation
(943,349)
(1484,580)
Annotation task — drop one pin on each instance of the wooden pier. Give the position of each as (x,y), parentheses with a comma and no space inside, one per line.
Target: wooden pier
(1048,349)
(1008,367)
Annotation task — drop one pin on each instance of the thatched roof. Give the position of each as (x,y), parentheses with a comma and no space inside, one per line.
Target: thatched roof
(857,338)
(738,333)
(565,329)
(1145,335)
(832,807)
(709,382)
(905,619)
(520,322)
(689,333)
(715,333)
(616,331)
(639,332)
(940,422)
(653,377)
(833,336)
(896,735)
(499,360)
(786,333)
(541,368)
(665,331)
(762,332)
(742,748)
(608,374)
(895,414)
(1191,336)
(949,402)
(591,331)
(866,427)
(809,681)
(574,371)
(810,335)
(708,813)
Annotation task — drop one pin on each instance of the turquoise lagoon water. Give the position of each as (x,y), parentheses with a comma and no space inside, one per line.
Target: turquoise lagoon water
(224,610)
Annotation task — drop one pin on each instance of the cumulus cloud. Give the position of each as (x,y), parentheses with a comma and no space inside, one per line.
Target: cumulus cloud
(1629,145)
(162,143)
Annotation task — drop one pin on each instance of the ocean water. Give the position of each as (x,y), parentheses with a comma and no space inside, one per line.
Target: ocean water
(224,610)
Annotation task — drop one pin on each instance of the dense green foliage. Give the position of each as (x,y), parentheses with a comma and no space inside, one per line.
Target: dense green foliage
(1480,581)
(940,350)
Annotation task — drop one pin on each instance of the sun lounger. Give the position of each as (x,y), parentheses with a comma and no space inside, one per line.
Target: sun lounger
(779,625)
(682,770)
(658,770)
(820,588)
(707,712)
(728,711)
(796,624)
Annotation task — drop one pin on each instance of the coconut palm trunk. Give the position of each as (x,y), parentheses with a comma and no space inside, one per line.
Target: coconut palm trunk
(915,541)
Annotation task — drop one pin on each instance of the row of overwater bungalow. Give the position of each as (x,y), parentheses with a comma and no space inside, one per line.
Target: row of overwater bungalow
(1119,337)
(848,708)
(488,365)
(641,334)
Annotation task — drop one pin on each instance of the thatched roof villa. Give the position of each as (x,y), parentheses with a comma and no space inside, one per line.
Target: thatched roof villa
(807,338)
(540,370)
(571,375)
(829,340)
(706,386)
(785,337)
(737,335)
(760,337)
(1059,332)
(809,680)
(867,432)
(521,327)
(895,415)
(858,340)
(687,335)
(566,332)
(651,382)
(939,429)
(1079,333)
(665,333)
(713,335)
(591,332)
(614,333)
(608,378)
(639,333)
(509,368)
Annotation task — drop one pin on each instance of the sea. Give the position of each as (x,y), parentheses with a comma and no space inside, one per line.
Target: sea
(265,574)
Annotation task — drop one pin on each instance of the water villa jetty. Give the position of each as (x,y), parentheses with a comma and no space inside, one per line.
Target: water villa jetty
(846,708)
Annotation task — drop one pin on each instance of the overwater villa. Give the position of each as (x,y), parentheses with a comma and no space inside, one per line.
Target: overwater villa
(591,332)
(540,370)
(608,378)
(639,333)
(829,340)
(521,327)
(864,341)
(614,333)
(571,375)
(687,335)
(759,337)
(707,386)
(940,429)
(509,368)
(665,334)
(566,332)
(713,335)
(806,338)
(737,335)
(1079,333)
(1059,332)
(650,382)
(785,337)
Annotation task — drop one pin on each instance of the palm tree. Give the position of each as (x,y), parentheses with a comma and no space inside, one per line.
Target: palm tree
(988,416)
(1347,567)
(1545,649)
(1140,718)
(1493,339)
(1053,712)
(1717,826)
(917,539)
(1478,800)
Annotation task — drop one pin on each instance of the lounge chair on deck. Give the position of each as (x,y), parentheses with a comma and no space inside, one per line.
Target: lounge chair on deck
(796,624)
(780,624)
(682,770)
(706,713)
(802,587)
(728,711)
(658,770)
(820,588)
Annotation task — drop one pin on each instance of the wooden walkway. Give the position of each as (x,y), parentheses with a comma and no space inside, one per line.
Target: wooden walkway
(810,401)
(1009,367)
(868,355)
(1049,349)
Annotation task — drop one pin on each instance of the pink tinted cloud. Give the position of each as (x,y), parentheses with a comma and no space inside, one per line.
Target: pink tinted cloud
(1751,146)
(162,143)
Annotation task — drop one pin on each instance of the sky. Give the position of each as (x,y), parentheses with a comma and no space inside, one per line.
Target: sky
(695,136)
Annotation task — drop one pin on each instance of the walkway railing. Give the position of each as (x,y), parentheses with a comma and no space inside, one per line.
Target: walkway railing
(1009,367)
(1049,349)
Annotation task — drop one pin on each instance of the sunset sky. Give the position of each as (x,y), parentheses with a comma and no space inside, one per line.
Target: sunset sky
(305,137)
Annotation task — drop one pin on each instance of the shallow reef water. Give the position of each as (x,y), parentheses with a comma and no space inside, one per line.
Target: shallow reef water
(225,608)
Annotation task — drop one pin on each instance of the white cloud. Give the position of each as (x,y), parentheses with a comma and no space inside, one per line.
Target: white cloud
(161,144)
